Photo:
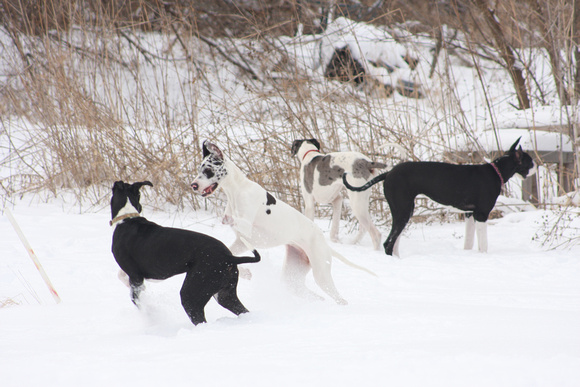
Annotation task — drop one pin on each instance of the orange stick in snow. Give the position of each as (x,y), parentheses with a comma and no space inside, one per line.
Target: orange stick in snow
(32,255)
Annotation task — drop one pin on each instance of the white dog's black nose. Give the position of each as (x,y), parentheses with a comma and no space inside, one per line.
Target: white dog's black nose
(195,186)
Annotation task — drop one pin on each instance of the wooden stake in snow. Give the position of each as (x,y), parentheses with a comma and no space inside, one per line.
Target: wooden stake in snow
(32,255)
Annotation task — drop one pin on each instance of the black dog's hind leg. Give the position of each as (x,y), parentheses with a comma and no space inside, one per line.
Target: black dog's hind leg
(195,293)
(228,295)
(401,212)
(137,287)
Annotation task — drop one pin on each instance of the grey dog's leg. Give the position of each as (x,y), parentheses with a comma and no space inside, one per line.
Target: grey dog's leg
(336,213)
(359,203)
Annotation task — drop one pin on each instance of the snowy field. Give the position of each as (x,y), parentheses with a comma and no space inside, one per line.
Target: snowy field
(439,316)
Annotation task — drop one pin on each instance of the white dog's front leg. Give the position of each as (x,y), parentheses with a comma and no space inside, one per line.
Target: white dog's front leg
(481,229)
(124,278)
(469,232)
(238,246)
(228,219)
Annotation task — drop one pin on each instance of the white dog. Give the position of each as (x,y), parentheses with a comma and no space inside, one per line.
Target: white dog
(321,182)
(261,220)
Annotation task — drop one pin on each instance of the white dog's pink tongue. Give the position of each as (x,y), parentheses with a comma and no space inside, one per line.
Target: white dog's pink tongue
(209,190)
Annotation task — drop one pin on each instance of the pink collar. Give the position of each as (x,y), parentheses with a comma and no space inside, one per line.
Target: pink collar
(311,150)
(498,173)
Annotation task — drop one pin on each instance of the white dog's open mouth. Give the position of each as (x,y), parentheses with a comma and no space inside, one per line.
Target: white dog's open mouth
(209,190)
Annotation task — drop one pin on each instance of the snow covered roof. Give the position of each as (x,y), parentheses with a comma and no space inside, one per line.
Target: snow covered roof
(536,140)
(380,54)
(365,41)
(542,117)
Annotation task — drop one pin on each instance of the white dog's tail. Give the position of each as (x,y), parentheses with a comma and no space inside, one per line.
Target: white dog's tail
(349,263)
(401,150)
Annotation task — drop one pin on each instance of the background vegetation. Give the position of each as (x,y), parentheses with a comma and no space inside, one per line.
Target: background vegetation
(92,91)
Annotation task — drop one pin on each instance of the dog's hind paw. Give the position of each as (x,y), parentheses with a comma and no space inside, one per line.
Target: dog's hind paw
(228,220)
(245,273)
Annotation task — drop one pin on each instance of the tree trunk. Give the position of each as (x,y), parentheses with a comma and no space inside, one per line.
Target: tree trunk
(553,48)
(575,36)
(506,53)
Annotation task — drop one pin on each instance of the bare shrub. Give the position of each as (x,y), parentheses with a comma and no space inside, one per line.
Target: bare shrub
(129,90)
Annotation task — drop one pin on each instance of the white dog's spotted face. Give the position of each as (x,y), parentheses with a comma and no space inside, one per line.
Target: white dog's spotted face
(211,171)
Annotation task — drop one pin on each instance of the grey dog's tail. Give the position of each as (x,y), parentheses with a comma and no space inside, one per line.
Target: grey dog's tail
(240,260)
(368,185)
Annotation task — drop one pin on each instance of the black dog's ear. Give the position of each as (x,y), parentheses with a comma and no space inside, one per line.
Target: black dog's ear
(210,148)
(519,154)
(315,143)
(140,184)
(513,148)
(119,185)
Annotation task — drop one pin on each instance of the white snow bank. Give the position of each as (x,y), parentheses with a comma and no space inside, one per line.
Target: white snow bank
(538,117)
(530,140)
(569,199)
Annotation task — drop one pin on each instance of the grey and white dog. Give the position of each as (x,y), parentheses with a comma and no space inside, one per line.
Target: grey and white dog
(321,182)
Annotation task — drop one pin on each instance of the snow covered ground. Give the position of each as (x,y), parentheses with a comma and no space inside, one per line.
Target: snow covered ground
(439,316)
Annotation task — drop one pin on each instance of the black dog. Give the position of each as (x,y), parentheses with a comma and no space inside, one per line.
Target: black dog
(145,250)
(471,188)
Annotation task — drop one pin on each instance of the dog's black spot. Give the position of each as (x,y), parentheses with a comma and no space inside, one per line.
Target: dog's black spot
(362,168)
(270,200)
(309,174)
(268,211)
(328,174)
(208,173)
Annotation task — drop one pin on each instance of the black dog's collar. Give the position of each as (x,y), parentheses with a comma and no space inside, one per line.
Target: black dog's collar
(122,217)
(498,173)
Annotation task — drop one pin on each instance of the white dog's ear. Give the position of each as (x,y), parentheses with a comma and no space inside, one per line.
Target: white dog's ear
(210,148)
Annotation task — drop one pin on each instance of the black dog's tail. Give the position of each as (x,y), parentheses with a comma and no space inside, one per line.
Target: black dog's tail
(240,260)
(368,185)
